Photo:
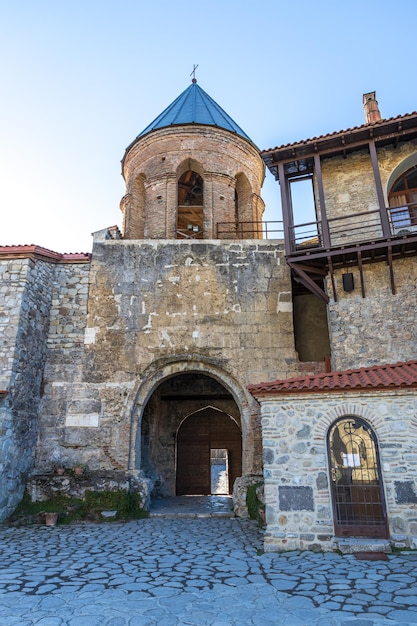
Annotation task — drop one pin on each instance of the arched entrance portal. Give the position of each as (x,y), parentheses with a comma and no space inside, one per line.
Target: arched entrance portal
(356,483)
(191,426)
(209,453)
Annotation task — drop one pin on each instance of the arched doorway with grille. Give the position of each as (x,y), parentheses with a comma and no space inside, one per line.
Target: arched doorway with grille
(356,483)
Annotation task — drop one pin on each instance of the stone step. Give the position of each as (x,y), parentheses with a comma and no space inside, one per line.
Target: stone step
(353,545)
(192,506)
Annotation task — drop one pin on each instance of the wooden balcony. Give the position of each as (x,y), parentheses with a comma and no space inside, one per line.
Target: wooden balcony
(350,240)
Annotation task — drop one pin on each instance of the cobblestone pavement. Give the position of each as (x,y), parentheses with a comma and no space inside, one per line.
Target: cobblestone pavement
(192,572)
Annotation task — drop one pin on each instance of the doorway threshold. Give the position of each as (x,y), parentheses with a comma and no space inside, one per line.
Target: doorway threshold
(192,507)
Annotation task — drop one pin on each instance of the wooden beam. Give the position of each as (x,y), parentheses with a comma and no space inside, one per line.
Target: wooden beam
(315,254)
(308,282)
(313,269)
(361,273)
(287,216)
(386,229)
(391,271)
(325,233)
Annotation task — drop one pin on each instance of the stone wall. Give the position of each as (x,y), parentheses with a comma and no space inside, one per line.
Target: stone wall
(64,364)
(25,289)
(349,188)
(155,309)
(380,328)
(311,329)
(296,474)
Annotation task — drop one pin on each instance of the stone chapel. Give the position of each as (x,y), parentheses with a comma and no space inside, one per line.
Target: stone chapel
(196,336)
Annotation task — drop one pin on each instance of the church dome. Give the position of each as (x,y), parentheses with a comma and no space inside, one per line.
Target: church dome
(193,106)
(190,170)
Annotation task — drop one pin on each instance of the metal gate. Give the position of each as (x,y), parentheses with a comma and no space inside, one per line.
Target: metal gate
(356,485)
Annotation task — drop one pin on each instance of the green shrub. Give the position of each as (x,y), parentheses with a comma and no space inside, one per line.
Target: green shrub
(127,505)
(253,503)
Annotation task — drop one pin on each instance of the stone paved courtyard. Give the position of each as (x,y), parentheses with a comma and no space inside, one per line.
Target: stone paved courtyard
(191,571)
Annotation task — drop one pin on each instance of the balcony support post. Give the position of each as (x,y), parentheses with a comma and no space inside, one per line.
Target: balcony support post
(325,233)
(386,230)
(287,216)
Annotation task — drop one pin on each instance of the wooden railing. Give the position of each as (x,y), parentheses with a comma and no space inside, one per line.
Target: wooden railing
(250,230)
(351,228)
(354,228)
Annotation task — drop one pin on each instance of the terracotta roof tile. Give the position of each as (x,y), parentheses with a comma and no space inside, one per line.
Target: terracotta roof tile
(302,142)
(398,375)
(33,251)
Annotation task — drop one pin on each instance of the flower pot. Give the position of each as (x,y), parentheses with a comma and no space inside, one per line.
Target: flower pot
(60,471)
(51,519)
(78,471)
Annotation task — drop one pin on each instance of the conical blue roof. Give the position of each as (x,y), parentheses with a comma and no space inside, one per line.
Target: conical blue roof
(194,106)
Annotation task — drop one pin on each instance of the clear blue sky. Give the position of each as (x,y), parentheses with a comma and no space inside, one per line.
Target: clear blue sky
(81,79)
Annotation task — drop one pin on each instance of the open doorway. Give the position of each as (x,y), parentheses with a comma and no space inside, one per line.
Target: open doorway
(186,417)
(219,471)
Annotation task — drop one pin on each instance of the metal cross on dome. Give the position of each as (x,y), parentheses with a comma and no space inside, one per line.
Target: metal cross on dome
(194,80)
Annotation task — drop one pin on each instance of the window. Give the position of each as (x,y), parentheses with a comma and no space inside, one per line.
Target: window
(190,206)
(403,200)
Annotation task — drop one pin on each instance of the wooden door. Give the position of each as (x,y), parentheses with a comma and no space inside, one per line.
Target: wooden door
(197,435)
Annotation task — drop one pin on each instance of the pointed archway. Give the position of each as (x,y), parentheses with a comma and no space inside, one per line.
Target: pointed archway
(209,453)
(186,413)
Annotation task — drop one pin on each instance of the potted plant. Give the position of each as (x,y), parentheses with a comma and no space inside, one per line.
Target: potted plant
(51,518)
(79,469)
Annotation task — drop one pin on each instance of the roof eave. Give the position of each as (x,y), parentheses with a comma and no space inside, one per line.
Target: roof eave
(345,140)
(326,390)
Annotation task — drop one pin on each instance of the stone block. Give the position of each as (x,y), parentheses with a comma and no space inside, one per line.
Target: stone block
(294,498)
(405,492)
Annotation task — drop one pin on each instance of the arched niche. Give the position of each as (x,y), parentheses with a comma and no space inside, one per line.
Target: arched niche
(190,206)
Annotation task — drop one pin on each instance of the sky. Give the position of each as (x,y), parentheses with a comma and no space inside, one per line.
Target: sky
(81,79)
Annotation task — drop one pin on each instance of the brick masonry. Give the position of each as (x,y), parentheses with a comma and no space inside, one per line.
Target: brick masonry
(152,167)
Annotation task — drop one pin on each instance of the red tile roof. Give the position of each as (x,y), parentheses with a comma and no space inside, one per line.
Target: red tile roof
(37,252)
(399,375)
(375,125)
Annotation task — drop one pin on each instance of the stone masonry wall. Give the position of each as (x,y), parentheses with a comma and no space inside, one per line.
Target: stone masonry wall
(297,487)
(25,290)
(223,307)
(349,189)
(63,369)
(380,328)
